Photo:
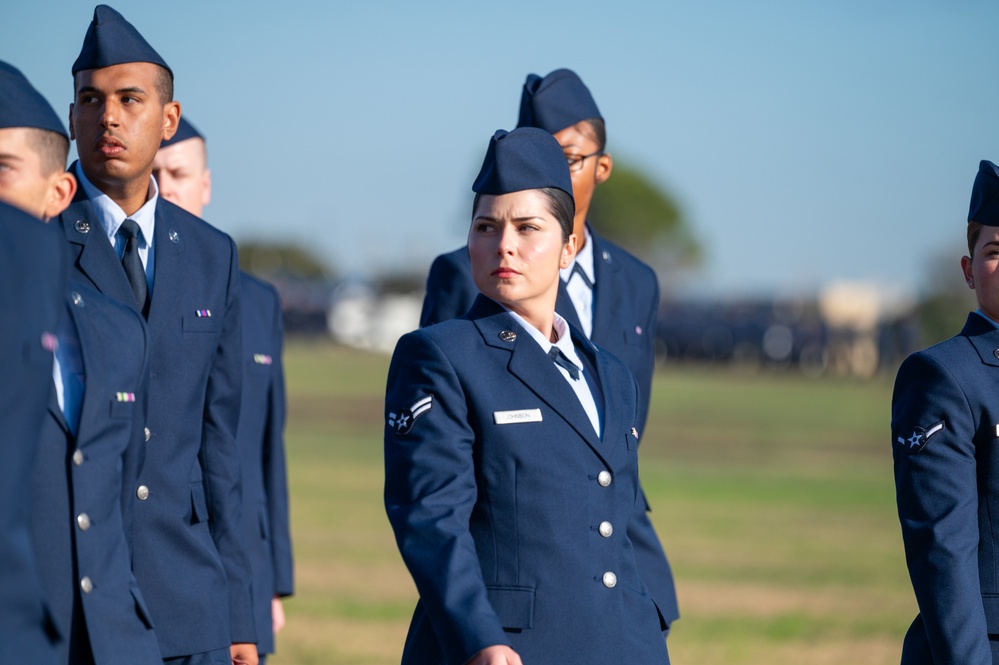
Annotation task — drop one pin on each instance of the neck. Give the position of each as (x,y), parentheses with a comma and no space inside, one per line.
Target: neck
(579,228)
(130,195)
(538,314)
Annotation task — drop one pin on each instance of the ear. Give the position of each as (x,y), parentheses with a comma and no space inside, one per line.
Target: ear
(72,133)
(969,277)
(605,164)
(568,252)
(206,190)
(62,188)
(171,119)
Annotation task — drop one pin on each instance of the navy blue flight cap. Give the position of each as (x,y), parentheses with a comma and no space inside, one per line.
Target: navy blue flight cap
(111,40)
(556,101)
(526,158)
(985,195)
(185,130)
(23,106)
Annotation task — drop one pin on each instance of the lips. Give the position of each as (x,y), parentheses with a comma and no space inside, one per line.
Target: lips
(110,146)
(505,273)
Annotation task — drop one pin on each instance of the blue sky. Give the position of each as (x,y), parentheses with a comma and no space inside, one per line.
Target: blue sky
(807,142)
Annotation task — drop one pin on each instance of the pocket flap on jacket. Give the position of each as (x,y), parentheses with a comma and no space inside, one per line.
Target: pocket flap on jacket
(513,605)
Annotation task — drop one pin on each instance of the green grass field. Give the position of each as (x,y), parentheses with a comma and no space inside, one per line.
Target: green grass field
(772,494)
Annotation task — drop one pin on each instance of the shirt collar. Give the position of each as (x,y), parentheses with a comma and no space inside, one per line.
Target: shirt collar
(584,258)
(564,343)
(111,215)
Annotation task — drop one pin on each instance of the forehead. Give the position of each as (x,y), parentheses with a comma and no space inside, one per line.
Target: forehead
(579,136)
(141,75)
(515,205)
(16,141)
(188,154)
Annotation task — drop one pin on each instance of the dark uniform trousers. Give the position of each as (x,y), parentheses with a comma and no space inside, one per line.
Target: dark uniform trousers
(507,508)
(85,488)
(260,438)
(32,279)
(625,313)
(188,545)
(945,441)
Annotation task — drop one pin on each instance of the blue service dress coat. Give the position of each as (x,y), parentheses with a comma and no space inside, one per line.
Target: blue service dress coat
(625,313)
(504,501)
(189,556)
(32,279)
(261,445)
(945,443)
(85,487)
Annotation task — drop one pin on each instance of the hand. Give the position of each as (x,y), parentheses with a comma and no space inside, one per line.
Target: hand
(496,655)
(244,654)
(277,614)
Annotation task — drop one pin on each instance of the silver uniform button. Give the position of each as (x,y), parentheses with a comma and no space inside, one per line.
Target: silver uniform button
(86,586)
(77,299)
(142,492)
(173,236)
(147,433)
(78,457)
(606,529)
(83,521)
(610,580)
(604,478)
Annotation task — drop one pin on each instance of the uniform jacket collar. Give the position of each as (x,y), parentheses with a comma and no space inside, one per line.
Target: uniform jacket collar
(984,336)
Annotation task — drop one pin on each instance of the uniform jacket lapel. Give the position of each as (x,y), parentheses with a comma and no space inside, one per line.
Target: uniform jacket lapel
(606,272)
(95,256)
(169,245)
(532,367)
(565,307)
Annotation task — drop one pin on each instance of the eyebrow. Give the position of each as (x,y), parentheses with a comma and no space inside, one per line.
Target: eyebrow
(11,155)
(132,89)
(515,219)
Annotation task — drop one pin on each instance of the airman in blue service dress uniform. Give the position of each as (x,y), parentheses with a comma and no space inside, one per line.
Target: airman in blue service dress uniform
(182,274)
(182,174)
(607,293)
(32,282)
(944,429)
(511,450)
(91,444)
(30,288)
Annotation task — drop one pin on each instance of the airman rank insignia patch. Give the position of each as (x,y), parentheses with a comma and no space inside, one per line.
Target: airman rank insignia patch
(919,438)
(262,359)
(402,422)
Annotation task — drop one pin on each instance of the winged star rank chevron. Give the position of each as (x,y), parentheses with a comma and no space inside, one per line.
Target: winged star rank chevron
(403,422)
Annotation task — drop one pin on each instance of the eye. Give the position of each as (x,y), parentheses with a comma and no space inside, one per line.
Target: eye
(483,227)
(528,228)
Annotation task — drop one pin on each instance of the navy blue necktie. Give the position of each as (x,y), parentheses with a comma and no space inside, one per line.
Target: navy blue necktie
(132,263)
(559,359)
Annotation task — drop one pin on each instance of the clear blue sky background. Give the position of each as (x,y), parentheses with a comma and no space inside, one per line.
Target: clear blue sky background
(805,141)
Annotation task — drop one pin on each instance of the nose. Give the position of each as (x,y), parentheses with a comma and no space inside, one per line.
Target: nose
(109,114)
(507,242)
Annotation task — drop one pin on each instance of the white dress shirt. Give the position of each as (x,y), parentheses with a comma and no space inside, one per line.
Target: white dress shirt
(579,291)
(565,345)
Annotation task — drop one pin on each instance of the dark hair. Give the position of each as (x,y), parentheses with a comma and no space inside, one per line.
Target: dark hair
(560,204)
(599,132)
(164,85)
(52,149)
(974,230)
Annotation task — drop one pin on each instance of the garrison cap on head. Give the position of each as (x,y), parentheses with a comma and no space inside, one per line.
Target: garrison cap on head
(985,195)
(526,158)
(556,101)
(111,40)
(23,106)
(185,130)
